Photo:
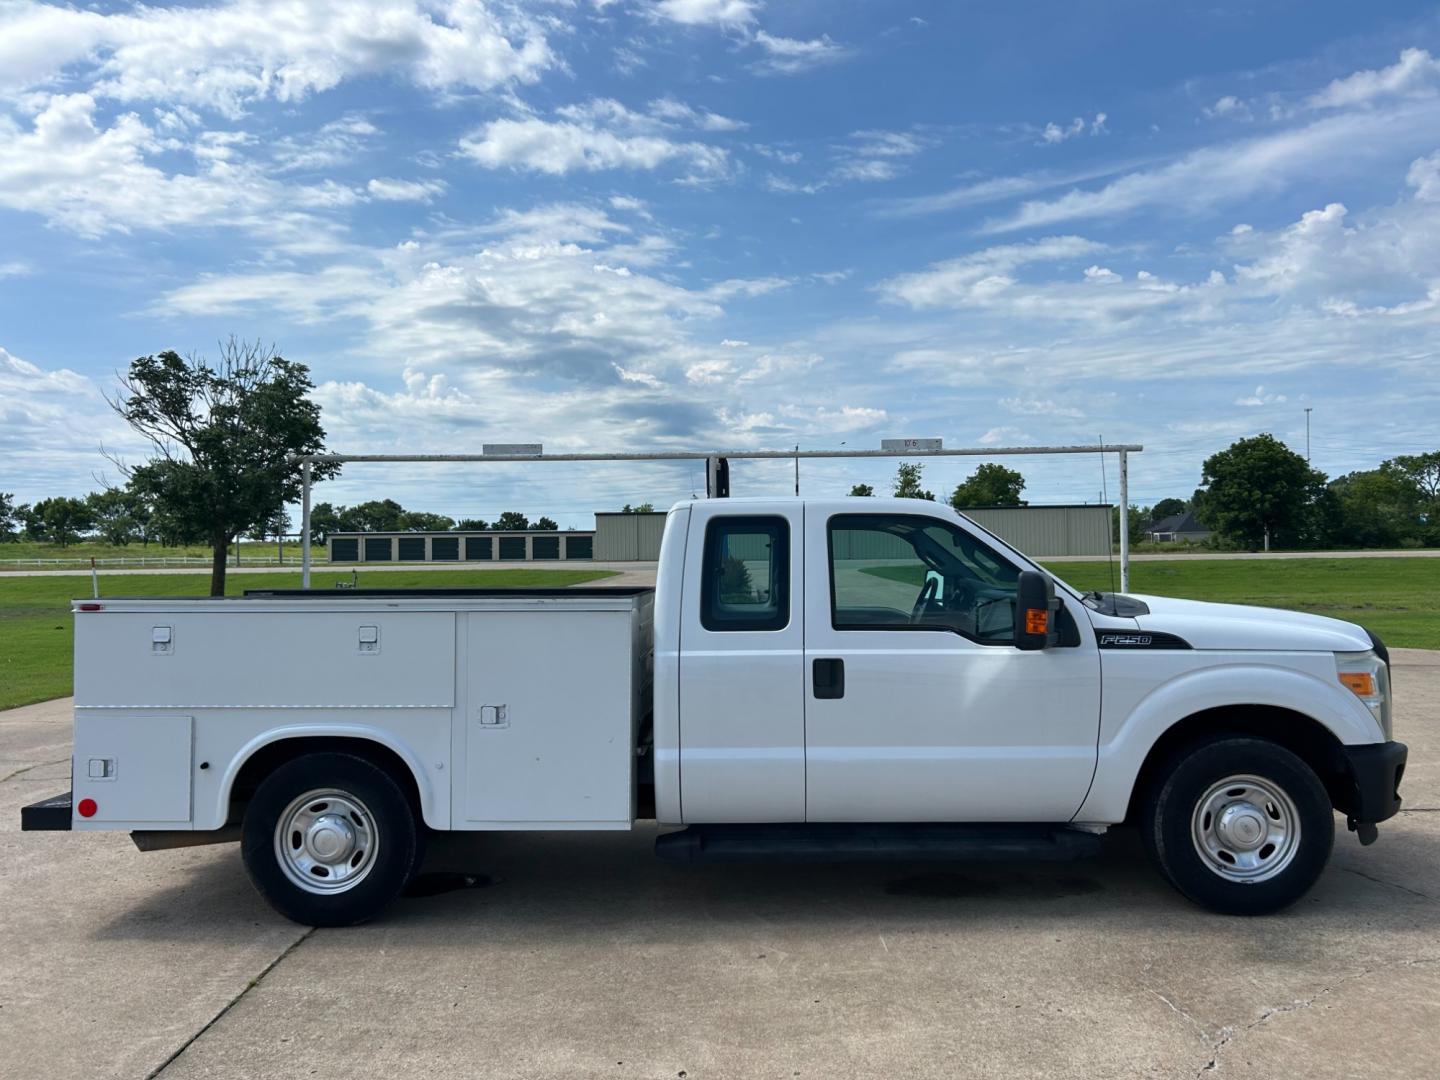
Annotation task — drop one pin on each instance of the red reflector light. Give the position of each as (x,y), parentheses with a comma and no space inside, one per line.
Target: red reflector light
(92,607)
(87,808)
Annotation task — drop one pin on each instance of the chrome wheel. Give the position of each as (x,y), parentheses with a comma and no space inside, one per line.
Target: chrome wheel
(326,841)
(1246,829)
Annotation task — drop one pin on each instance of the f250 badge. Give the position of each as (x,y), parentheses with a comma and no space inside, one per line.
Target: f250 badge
(1140,640)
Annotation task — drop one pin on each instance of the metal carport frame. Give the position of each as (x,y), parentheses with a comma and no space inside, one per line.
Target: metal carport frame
(712,457)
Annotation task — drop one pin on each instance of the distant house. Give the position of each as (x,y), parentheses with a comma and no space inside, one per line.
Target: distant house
(1177,527)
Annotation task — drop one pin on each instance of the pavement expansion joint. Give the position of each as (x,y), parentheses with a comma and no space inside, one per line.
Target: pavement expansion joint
(251,985)
(24,769)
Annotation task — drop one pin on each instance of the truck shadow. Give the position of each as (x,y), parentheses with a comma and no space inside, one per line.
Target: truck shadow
(594,885)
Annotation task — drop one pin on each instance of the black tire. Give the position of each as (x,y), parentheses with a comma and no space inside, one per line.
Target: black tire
(1170,821)
(385,836)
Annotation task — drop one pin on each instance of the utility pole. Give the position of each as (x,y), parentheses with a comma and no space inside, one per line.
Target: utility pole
(1307,434)
(797,468)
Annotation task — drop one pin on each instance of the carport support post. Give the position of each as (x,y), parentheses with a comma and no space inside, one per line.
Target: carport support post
(1124,522)
(305,524)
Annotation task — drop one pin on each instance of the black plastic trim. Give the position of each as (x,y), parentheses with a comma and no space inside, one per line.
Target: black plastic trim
(1139,639)
(1375,774)
(826,842)
(48,815)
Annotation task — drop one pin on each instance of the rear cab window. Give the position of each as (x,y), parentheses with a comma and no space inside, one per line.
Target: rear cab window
(746,574)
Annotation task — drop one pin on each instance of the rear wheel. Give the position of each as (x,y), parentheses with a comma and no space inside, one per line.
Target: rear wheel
(330,839)
(1242,826)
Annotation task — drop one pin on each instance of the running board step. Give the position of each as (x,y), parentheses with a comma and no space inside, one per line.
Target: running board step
(838,843)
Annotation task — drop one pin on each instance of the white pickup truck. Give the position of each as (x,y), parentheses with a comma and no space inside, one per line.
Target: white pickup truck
(808,679)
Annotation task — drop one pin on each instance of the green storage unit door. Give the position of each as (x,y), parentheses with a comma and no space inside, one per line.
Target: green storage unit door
(412,548)
(579,547)
(377,549)
(445,548)
(478,548)
(512,547)
(545,547)
(346,550)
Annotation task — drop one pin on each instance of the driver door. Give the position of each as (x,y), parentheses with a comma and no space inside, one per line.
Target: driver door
(918,705)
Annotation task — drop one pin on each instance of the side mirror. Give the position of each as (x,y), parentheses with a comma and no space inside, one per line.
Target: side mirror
(1036,611)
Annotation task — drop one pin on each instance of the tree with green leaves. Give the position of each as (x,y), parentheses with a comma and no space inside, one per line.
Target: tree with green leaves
(544,524)
(9,521)
(643,508)
(862,490)
(472,525)
(1422,470)
(325,519)
(1167,508)
(907,482)
(1375,508)
(222,436)
(512,521)
(1259,491)
(62,519)
(421,521)
(112,514)
(991,484)
(274,527)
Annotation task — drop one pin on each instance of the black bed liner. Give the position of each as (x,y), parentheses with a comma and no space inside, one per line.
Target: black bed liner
(459,593)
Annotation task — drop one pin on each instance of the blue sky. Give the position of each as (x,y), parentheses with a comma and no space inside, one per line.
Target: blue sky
(724,223)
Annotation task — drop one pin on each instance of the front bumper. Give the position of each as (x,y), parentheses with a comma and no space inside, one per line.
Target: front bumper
(1375,773)
(47,815)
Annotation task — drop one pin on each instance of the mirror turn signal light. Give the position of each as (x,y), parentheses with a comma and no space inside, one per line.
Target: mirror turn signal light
(1037,621)
(1361,683)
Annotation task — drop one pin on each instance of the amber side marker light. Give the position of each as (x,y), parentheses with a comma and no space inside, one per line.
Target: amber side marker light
(1361,683)
(1037,621)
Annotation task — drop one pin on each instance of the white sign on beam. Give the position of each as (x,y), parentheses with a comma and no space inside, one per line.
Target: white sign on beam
(512,449)
(905,446)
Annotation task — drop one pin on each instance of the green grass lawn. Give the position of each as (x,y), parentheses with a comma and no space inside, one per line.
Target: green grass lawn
(37,637)
(1397,598)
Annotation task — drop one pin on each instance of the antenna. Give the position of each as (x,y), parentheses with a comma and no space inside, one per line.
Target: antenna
(1105,496)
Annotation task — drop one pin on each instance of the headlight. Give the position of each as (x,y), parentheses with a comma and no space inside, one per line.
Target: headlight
(1367,677)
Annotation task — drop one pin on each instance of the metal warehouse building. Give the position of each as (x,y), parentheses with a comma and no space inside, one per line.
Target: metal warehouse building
(1039,531)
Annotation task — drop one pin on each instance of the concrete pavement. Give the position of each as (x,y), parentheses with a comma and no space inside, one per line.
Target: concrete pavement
(583,956)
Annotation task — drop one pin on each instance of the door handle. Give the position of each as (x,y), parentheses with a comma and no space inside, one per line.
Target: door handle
(829,677)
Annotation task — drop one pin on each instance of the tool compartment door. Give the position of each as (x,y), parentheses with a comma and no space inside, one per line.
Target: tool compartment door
(136,769)
(549,720)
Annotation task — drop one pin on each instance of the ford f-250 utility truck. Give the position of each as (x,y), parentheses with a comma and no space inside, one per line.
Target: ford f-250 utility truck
(838,678)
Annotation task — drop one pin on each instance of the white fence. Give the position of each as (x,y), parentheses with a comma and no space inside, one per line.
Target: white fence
(141,561)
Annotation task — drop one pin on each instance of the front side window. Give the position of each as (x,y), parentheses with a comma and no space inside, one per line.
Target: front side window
(907,572)
(747,574)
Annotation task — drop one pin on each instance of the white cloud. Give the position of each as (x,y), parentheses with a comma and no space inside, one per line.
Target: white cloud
(336,143)
(1101,274)
(1215,174)
(790,56)
(723,13)
(972,278)
(1416,73)
(1039,407)
(1055,133)
(601,134)
(241,51)
(1260,397)
(1004,436)
(708,371)
(388,189)
(1230,106)
(93,180)
(668,109)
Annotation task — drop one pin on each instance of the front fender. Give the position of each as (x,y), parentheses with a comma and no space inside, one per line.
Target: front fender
(434,804)
(1130,728)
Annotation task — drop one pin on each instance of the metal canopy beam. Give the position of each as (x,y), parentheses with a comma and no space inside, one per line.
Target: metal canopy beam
(1122,449)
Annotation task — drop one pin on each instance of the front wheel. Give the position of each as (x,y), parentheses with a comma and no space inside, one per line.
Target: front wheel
(1242,826)
(330,839)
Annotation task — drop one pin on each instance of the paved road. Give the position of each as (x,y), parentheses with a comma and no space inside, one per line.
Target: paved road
(583,956)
